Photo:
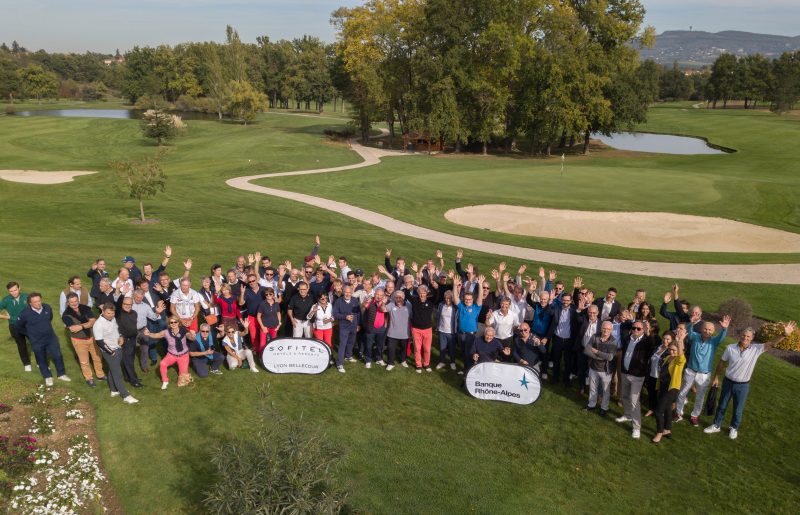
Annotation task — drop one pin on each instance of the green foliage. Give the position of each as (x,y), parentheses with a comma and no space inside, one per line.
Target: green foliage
(140,180)
(16,459)
(773,330)
(36,82)
(285,467)
(243,102)
(160,125)
(786,85)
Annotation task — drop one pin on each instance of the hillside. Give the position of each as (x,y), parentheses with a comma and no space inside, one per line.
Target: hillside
(699,47)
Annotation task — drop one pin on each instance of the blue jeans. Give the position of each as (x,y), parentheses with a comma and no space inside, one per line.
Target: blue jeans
(739,393)
(447,348)
(378,339)
(41,349)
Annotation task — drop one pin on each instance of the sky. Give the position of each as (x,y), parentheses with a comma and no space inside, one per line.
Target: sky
(107,25)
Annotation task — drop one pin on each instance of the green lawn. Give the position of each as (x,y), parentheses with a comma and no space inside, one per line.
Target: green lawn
(758,184)
(414,443)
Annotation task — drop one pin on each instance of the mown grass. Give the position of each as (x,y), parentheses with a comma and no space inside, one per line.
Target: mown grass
(758,184)
(414,443)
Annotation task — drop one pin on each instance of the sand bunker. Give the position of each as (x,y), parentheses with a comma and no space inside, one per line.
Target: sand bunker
(658,231)
(35,177)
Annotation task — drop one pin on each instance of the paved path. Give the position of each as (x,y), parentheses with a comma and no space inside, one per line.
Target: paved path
(758,274)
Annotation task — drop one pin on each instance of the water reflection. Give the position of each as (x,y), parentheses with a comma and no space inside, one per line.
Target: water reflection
(118,114)
(657,143)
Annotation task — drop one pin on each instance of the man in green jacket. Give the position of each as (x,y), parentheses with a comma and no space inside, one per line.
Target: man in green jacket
(13,304)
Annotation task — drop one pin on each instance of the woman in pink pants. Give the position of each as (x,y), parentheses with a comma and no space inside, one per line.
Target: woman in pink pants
(177,351)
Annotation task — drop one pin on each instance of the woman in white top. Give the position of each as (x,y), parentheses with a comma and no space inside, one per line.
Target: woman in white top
(234,346)
(321,316)
(651,380)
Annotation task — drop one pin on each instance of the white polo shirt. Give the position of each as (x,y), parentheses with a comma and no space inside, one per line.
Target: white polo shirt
(741,363)
(504,324)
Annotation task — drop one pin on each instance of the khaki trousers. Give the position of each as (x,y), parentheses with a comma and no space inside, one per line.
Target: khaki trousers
(84,349)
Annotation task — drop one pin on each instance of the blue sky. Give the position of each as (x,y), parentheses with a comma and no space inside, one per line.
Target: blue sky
(105,25)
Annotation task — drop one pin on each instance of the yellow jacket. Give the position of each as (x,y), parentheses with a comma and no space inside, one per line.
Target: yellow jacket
(676,372)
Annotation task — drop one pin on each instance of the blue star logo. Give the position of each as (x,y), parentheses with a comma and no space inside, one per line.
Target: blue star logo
(524,381)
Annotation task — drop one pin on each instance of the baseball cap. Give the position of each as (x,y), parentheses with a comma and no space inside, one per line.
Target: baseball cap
(128,259)
(359,271)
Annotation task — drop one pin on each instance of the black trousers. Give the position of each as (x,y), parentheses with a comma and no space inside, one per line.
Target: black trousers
(652,393)
(393,342)
(561,350)
(664,410)
(129,359)
(22,346)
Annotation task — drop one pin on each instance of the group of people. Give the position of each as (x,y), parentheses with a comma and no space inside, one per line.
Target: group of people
(387,318)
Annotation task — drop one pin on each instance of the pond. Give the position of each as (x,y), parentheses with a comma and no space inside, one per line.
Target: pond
(119,114)
(657,143)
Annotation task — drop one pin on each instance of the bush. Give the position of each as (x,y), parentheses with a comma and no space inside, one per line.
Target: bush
(153,102)
(773,330)
(740,312)
(284,468)
(11,110)
(195,104)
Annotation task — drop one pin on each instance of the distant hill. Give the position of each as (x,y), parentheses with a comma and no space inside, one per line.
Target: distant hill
(698,48)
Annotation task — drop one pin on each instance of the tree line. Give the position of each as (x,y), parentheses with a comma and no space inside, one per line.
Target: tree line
(467,73)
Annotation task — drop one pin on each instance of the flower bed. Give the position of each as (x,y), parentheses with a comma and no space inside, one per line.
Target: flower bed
(58,470)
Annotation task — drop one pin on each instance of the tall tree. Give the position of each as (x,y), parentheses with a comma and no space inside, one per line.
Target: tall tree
(785,89)
(244,102)
(724,81)
(36,82)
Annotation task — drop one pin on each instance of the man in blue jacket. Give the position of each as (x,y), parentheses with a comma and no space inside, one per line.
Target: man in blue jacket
(35,321)
(347,311)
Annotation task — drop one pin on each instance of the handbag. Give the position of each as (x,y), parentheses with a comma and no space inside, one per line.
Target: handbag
(711,401)
(184,380)
(211,320)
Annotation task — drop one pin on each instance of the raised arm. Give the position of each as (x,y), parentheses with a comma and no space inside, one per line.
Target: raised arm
(479,300)
(788,329)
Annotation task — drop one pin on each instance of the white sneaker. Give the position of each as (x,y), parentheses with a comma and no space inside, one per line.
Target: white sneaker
(405,364)
(635,434)
(130,399)
(381,363)
(452,366)
(440,366)
(461,372)
(368,365)
(164,385)
(544,376)
(254,370)
(340,368)
(713,428)
(622,419)
(48,381)
(28,368)
(550,364)
(115,394)
(65,378)
(351,360)
(389,367)
(419,371)
(429,369)
(733,434)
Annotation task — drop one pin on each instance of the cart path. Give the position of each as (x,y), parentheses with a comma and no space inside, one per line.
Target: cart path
(754,274)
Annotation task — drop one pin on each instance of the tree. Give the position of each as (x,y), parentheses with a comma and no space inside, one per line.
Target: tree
(160,125)
(785,89)
(724,82)
(243,101)
(140,180)
(9,79)
(37,82)
(674,84)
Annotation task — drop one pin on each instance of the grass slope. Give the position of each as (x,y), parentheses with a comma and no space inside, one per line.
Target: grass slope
(757,184)
(414,443)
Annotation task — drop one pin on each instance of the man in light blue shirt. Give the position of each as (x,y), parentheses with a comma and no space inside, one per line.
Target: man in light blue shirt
(703,347)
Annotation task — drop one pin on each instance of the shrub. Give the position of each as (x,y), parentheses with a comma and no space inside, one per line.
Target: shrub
(42,423)
(11,110)
(739,310)
(17,456)
(153,102)
(774,329)
(195,104)
(284,468)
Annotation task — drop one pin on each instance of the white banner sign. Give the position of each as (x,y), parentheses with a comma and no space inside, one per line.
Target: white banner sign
(296,356)
(504,382)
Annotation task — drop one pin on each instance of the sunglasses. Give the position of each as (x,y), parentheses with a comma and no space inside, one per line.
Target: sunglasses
(173,322)
(203,332)
(270,294)
(231,332)
(269,275)
(637,329)
(252,281)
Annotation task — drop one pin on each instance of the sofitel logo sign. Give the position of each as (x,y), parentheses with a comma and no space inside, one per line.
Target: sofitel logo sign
(296,356)
(504,382)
